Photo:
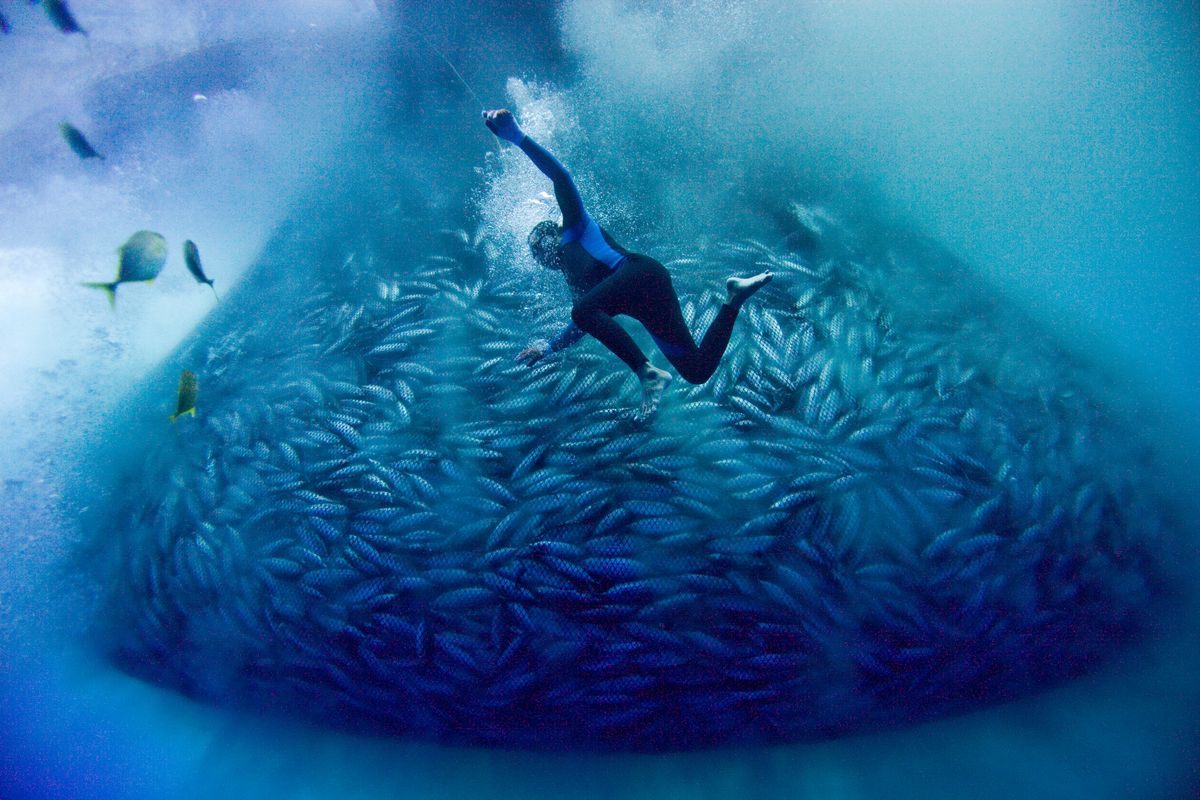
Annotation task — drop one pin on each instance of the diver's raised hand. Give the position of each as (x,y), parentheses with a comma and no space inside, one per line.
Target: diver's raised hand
(533,354)
(502,123)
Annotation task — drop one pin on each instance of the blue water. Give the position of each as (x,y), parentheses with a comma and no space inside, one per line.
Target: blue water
(1051,149)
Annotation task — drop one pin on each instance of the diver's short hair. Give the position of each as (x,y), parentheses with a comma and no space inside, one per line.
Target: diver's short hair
(544,240)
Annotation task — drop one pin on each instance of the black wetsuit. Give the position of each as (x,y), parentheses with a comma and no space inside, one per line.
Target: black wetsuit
(607,281)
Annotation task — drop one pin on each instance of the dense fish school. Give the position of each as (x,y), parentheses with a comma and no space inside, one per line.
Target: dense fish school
(892,501)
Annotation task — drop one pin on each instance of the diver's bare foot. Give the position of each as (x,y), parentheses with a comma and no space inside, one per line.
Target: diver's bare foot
(654,383)
(740,289)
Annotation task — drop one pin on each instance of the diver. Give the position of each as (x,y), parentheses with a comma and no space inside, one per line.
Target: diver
(606,281)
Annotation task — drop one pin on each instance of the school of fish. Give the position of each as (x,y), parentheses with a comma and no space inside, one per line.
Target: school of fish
(894,500)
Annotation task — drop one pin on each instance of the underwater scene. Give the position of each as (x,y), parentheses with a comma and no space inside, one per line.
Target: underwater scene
(851,455)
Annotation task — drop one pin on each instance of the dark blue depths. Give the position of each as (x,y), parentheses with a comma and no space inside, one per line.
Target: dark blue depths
(891,502)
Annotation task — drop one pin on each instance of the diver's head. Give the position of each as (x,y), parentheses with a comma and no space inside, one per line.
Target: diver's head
(543,243)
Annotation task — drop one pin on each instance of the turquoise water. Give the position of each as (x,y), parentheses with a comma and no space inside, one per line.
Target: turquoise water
(1050,150)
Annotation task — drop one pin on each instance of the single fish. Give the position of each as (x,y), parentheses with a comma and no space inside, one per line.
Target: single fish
(3,24)
(191,257)
(141,259)
(188,389)
(77,142)
(62,17)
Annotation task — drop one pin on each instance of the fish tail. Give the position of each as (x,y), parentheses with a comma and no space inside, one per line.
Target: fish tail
(110,288)
(191,411)
(210,285)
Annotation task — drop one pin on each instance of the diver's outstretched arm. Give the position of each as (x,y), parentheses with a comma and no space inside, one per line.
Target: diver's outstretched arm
(503,124)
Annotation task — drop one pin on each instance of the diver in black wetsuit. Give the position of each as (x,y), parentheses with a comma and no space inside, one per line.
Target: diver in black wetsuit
(606,281)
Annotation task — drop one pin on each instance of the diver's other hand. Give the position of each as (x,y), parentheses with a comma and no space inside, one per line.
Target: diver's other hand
(502,123)
(533,354)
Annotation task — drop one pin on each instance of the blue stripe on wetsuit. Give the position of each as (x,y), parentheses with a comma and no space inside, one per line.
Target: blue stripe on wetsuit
(589,235)
(591,238)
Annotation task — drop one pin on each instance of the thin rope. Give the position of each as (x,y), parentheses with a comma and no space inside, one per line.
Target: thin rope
(458,75)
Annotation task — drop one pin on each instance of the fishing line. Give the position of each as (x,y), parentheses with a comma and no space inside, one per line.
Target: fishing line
(457,74)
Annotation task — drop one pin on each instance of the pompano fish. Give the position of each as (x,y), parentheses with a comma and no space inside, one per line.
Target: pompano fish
(188,390)
(77,141)
(141,259)
(61,16)
(191,257)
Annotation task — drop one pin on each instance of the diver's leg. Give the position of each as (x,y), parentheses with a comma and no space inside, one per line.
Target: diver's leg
(655,305)
(704,361)
(707,357)
(593,313)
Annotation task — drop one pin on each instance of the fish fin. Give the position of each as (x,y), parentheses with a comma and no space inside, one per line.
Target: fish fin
(191,411)
(214,291)
(110,288)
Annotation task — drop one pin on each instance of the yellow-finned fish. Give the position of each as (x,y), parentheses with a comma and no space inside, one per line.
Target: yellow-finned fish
(188,389)
(191,257)
(141,259)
